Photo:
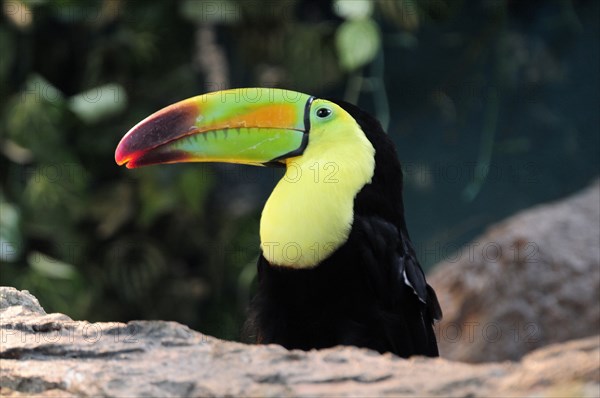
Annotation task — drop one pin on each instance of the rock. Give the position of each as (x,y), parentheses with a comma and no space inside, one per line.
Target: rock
(54,356)
(529,281)
(22,302)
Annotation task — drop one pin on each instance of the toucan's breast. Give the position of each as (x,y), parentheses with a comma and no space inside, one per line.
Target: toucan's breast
(310,212)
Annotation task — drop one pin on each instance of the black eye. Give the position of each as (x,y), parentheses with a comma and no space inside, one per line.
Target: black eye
(323,112)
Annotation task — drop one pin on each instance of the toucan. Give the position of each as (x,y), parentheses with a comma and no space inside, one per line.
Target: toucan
(336,264)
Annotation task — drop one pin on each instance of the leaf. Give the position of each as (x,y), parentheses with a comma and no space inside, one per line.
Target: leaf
(99,103)
(357,43)
(10,234)
(353,9)
(51,267)
(34,118)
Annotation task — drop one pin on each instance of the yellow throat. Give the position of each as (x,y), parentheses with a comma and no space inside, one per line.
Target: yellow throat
(310,212)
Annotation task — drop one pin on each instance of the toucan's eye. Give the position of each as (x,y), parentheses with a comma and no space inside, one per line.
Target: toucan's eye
(323,112)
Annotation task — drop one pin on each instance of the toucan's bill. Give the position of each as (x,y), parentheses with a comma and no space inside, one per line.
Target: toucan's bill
(254,126)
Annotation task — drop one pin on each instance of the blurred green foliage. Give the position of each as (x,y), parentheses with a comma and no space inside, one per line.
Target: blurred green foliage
(103,243)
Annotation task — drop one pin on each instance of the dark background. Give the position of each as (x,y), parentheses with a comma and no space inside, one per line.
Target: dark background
(493,106)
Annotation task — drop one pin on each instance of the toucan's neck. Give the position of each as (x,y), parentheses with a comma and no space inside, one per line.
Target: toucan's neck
(310,212)
(383,196)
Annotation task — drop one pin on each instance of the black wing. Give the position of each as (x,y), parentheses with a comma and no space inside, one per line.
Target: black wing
(407,305)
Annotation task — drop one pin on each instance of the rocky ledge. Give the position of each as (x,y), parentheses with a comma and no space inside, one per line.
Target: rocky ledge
(52,355)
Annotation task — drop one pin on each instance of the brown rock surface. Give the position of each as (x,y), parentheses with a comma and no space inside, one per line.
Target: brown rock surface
(54,356)
(529,281)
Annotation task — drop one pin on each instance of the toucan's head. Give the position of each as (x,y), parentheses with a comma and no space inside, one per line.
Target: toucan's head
(329,150)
